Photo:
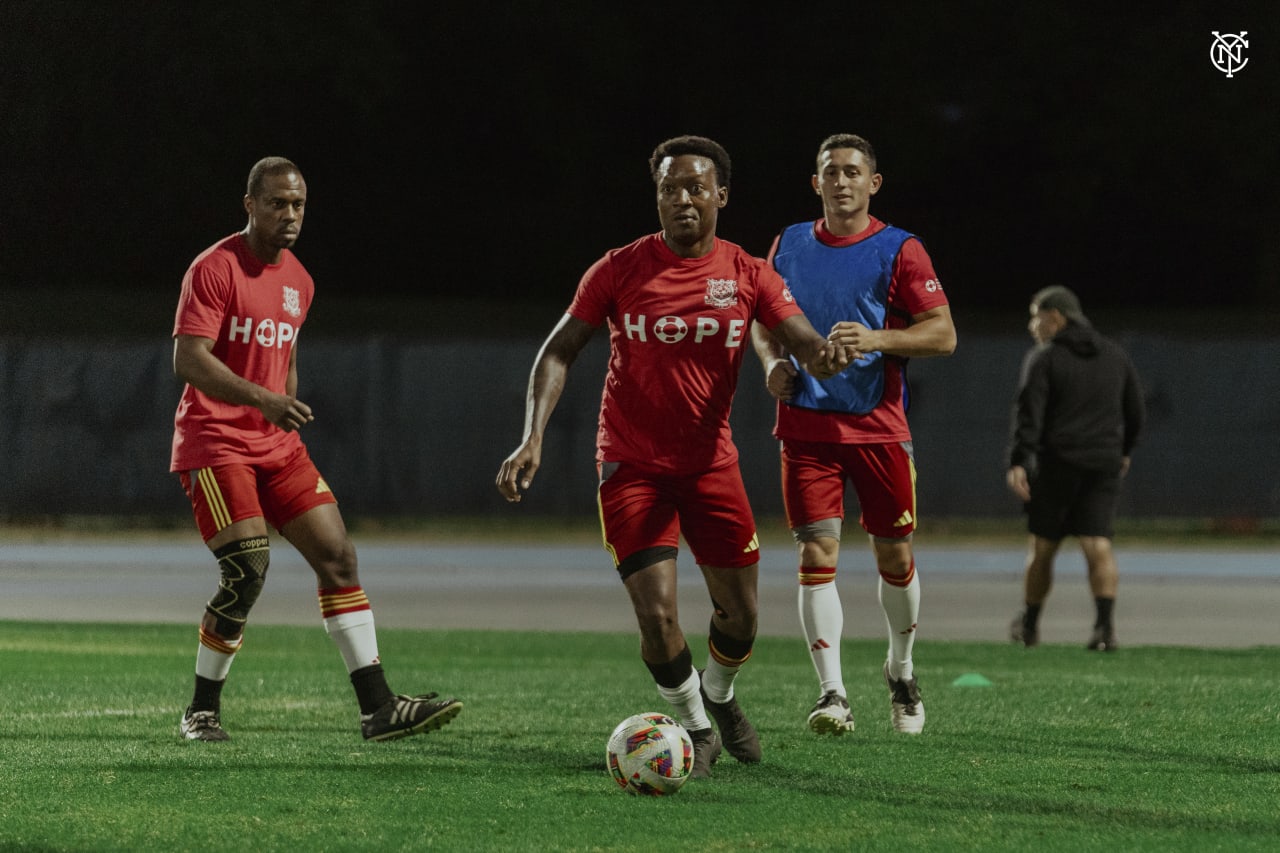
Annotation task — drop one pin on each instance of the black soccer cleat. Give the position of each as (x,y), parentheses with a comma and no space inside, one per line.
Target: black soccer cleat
(402,716)
(1103,639)
(1019,633)
(736,732)
(706,749)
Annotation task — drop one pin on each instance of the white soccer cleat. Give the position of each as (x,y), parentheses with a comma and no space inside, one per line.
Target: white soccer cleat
(202,725)
(906,709)
(831,715)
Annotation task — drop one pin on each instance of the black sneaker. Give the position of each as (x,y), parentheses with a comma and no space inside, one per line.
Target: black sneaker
(831,715)
(1019,634)
(906,711)
(706,749)
(202,725)
(402,716)
(1103,640)
(736,731)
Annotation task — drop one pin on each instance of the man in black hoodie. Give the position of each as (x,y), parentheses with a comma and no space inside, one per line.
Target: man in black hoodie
(1076,418)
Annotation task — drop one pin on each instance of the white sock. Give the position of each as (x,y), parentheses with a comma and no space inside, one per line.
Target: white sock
(214,655)
(822,618)
(901,606)
(355,637)
(717,680)
(687,703)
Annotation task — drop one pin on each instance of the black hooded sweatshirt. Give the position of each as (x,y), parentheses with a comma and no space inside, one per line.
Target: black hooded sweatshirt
(1078,401)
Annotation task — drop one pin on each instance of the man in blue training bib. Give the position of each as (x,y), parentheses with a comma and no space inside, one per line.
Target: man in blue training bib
(873,285)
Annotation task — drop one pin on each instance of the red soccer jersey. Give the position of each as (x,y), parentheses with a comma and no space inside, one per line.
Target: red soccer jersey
(252,312)
(678,328)
(913,289)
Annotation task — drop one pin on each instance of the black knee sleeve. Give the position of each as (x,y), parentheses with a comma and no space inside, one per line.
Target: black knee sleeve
(728,650)
(244,571)
(674,672)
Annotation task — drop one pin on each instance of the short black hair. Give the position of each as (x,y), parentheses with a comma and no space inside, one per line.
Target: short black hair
(265,167)
(849,140)
(1061,299)
(699,146)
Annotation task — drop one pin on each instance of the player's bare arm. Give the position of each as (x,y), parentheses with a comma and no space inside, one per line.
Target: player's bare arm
(546,384)
(195,364)
(820,357)
(779,372)
(931,333)
(291,381)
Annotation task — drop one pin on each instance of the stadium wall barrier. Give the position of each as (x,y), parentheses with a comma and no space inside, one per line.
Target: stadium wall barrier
(412,428)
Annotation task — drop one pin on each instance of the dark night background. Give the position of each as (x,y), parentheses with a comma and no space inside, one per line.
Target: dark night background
(488,153)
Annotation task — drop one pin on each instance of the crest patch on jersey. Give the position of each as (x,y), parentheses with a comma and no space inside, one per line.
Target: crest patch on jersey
(722,292)
(291,305)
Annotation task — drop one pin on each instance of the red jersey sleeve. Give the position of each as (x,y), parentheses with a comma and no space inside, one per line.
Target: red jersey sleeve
(776,302)
(202,305)
(594,297)
(915,287)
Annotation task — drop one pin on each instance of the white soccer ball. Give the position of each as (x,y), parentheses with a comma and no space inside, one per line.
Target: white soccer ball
(649,755)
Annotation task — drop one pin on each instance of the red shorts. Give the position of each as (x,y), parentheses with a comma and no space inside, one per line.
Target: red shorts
(277,491)
(883,475)
(642,510)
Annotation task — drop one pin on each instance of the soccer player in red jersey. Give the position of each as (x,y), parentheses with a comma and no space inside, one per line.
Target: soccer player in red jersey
(679,305)
(239,457)
(875,287)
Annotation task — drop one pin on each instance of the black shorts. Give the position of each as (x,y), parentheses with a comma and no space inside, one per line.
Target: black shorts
(1071,501)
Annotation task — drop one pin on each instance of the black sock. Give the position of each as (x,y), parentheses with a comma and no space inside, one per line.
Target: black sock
(208,695)
(372,691)
(1031,617)
(674,672)
(1105,606)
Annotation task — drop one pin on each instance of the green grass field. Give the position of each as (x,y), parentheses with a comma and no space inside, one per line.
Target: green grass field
(1151,748)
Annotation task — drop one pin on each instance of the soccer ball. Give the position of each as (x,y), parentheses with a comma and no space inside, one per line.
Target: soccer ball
(649,755)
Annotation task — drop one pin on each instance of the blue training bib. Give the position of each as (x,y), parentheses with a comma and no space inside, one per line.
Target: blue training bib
(832,284)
